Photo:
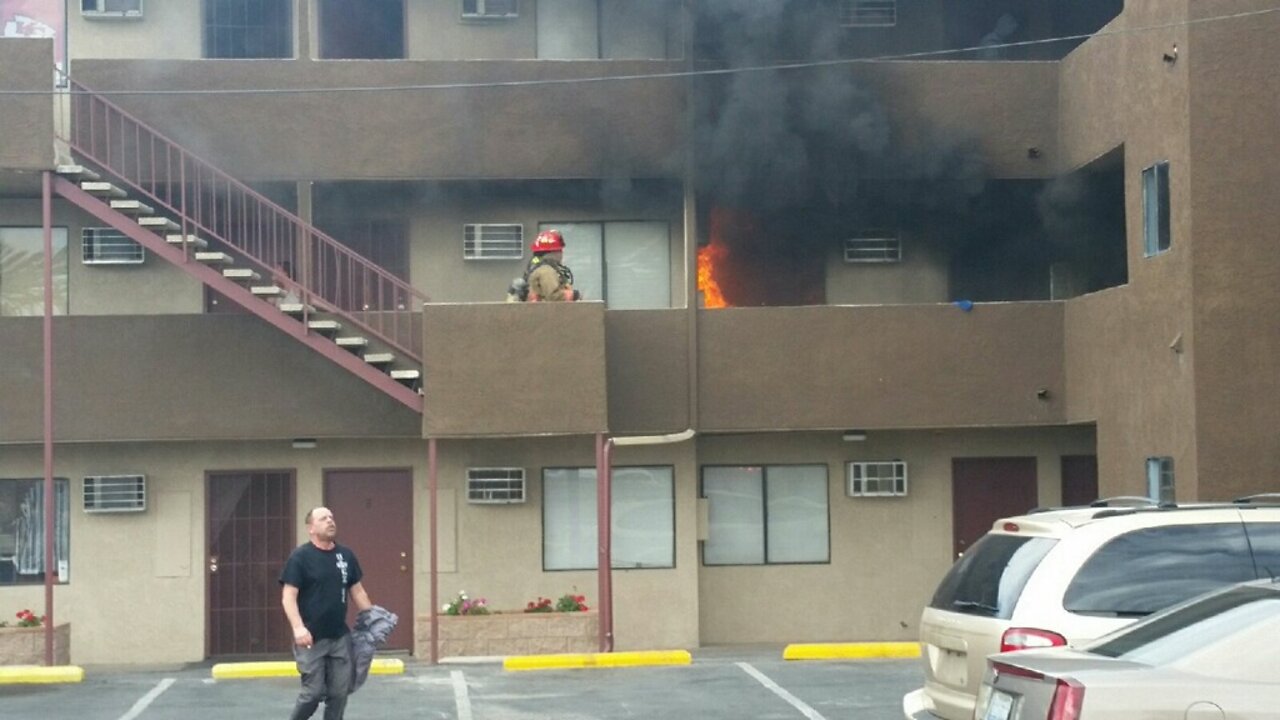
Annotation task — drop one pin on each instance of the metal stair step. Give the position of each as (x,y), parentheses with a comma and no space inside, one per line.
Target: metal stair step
(192,240)
(77,171)
(156,222)
(383,358)
(95,187)
(353,341)
(328,326)
(132,207)
(267,291)
(406,374)
(241,274)
(295,308)
(215,258)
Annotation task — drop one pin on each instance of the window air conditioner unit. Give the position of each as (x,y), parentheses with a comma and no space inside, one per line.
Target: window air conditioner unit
(111,9)
(107,246)
(495,486)
(490,9)
(877,479)
(115,493)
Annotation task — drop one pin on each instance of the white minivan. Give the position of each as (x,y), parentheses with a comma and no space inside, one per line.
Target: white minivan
(1068,576)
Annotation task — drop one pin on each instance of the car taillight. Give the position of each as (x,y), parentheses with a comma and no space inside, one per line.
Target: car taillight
(1017,638)
(1068,698)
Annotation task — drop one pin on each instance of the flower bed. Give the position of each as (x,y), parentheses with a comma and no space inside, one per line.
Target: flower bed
(533,633)
(25,645)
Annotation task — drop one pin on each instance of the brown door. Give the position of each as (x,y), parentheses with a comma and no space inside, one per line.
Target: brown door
(984,490)
(1079,479)
(374,512)
(251,533)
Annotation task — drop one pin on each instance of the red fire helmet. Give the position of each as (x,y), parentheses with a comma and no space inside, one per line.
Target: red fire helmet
(548,241)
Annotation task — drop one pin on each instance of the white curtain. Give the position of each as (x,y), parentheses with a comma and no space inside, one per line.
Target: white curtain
(643,518)
(736,515)
(797,511)
(29,558)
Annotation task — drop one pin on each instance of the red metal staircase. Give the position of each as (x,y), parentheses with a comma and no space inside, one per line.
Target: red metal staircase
(241,244)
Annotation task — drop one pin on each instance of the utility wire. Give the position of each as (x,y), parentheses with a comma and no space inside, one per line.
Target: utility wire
(666,75)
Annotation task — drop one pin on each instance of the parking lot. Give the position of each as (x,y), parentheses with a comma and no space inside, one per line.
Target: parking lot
(719,684)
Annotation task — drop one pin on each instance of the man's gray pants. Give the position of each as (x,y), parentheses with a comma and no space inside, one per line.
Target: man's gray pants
(326,676)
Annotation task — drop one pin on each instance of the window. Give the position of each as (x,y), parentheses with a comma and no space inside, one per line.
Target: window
(490,241)
(490,9)
(643,527)
(1147,570)
(1160,479)
(1155,208)
(108,246)
(22,271)
(248,29)
(988,580)
(868,13)
(111,8)
(627,264)
(22,530)
(766,515)
(878,249)
(877,479)
(1264,538)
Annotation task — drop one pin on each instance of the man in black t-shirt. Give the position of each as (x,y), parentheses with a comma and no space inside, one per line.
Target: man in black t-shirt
(317,580)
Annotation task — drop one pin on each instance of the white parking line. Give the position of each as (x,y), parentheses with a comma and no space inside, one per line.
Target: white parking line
(781,692)
(460,695)
(147,699)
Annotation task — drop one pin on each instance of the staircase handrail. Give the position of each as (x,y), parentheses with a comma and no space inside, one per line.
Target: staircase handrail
(310,280)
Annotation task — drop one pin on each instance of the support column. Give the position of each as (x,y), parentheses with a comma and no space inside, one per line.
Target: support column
(433,483)
(50,532)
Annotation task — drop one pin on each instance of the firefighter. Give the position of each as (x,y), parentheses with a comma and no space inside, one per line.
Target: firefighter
(546,279)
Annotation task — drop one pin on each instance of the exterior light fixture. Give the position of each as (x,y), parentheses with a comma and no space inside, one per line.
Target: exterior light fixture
(304,443)
(854,435)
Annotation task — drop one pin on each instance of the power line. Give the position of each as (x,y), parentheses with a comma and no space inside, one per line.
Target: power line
(666,75)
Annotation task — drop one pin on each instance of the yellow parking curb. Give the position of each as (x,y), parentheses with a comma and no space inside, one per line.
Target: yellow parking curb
(851,651)
(274,669)
(597,660)
(14,674)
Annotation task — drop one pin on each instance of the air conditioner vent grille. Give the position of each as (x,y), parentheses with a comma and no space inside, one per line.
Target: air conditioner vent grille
(115,493)
(495,486)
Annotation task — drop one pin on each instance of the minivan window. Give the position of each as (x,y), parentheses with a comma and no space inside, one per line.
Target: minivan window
(988,579)
(1264,538)
(1146,570)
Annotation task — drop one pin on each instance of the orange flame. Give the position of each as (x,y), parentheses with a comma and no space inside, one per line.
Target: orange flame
(708,256)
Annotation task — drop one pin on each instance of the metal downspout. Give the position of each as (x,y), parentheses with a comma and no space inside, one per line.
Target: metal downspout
(604,519)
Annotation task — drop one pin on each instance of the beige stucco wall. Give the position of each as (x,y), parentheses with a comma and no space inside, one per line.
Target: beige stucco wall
(153,562)
(27,120)
(436,214)
(153,288)
(921,276)
(436,31)
(887,554)
(1236,267)
(1121,370)
(171,30)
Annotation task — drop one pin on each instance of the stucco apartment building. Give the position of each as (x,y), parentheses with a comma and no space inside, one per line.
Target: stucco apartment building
(957,285)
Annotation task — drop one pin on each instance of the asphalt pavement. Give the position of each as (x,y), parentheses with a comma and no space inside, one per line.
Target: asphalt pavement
(720,683)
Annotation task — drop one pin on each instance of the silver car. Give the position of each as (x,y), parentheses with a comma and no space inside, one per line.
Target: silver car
(1212,658)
